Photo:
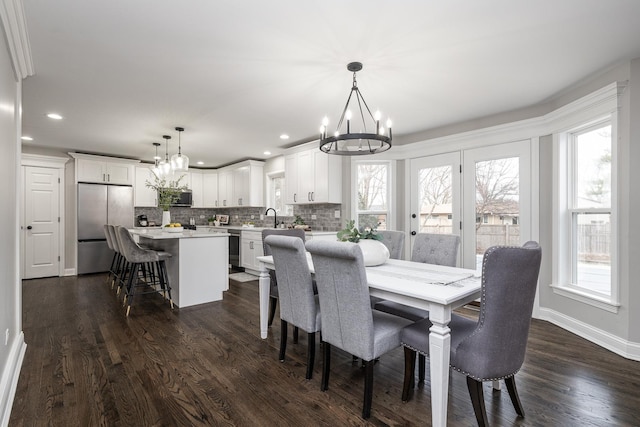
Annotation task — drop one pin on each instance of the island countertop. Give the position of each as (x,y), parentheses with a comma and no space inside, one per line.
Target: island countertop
(157,234)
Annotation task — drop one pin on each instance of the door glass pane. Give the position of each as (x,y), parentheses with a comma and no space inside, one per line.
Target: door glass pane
(435,200)
(497,204)
(593,252)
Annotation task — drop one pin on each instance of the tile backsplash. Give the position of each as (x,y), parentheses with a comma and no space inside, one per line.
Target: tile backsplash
(325,219)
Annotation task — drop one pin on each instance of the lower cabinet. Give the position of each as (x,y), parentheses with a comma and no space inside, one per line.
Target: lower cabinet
(250,249)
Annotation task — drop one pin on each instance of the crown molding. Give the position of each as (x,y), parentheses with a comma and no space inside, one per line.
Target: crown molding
(15,28)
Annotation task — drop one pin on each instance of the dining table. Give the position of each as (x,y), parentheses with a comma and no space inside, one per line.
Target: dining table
(439,289)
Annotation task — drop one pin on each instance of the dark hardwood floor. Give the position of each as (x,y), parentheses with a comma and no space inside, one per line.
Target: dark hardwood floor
(88,365)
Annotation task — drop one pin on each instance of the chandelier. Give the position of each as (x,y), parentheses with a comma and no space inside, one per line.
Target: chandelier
(179,162)
(370,138)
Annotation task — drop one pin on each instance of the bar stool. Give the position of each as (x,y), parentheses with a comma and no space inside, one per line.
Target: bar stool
(139,258)
(111,272)
(120,262)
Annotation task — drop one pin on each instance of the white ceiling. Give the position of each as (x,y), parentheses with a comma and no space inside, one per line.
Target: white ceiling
(237,74)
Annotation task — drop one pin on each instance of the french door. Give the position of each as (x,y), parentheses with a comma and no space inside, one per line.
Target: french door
(482,194)
(435,200)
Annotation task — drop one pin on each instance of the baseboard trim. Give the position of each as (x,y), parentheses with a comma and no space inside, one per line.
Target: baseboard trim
(627,349)
(10,375)
(69,272)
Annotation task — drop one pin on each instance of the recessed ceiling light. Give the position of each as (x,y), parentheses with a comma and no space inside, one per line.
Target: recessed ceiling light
(54,116)
(27,138)
(267,153)
(284,136)
(199,163)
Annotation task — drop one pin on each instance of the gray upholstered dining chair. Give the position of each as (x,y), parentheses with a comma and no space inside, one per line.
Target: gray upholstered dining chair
(493,347)
(394,241)
(298,304)
(439,249)
(348,322)
(273,286)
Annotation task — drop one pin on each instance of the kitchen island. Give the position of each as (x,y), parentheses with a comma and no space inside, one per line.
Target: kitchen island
(198,269)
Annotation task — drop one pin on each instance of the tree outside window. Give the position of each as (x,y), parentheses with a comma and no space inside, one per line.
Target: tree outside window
(372,182)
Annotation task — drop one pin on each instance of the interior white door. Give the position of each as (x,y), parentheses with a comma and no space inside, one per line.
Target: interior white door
(435,195)
(42,224)
(497,198)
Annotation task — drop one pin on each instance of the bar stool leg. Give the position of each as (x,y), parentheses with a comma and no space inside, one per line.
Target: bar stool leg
(164,280)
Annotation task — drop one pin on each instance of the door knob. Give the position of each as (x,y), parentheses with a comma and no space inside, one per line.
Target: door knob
(413,215)
(413,233)
(29,227)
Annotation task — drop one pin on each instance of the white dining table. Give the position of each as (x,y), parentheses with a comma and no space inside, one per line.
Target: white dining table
(436,288)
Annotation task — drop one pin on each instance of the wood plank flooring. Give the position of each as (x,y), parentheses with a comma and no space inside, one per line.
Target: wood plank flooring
(88,365)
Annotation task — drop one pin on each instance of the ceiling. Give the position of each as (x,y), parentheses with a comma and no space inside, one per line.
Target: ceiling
(238,74)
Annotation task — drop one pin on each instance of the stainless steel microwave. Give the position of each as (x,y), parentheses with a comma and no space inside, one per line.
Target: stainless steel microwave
(185,199)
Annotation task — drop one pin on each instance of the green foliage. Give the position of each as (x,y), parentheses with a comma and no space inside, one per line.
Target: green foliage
(351,233)
(211,218)
(168,190)
(299,220)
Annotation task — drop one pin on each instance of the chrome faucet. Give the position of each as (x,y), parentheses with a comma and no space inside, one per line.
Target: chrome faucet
(275,217)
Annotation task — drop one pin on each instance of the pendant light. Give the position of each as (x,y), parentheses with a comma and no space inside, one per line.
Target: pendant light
(179,162)
(156,162)
(165,165)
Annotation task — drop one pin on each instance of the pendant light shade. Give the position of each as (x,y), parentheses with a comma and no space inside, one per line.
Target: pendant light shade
(156,161)
(165,165)
(179,162)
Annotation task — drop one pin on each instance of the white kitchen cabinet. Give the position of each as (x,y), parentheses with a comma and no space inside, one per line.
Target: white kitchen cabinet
(210,189)
(104,170)
(142,195)
(241,184)
(250,250)
(312,176)
(291,179)
(225,188)
(197,189)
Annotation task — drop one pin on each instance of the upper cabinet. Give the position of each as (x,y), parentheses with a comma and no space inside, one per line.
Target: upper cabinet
(312,176)
(196,189)
(241,184)
(104,170)
(210,189)
(144,196)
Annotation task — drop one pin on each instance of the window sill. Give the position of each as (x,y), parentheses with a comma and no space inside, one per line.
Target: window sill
(586,298)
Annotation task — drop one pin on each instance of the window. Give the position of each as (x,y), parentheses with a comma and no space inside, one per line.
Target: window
(590,208)
(372,204)
(276,194)
(586,224)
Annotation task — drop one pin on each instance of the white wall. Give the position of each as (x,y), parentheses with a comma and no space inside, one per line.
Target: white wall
(12,352)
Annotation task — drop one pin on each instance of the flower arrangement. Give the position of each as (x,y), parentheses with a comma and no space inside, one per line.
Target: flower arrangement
(168,190)
(351,233)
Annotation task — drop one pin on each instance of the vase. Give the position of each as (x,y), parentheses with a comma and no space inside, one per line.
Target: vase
(374,252)
(166,218)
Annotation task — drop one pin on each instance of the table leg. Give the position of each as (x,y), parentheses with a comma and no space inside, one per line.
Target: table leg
(439,354)
(264,282)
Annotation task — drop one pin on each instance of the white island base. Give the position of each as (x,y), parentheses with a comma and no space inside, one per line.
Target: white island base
(198,269)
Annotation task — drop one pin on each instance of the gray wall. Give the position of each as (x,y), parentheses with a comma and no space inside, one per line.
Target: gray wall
(630,252)
(10,296)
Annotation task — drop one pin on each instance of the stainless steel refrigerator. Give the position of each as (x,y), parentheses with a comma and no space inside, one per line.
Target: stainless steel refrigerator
(100,204)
